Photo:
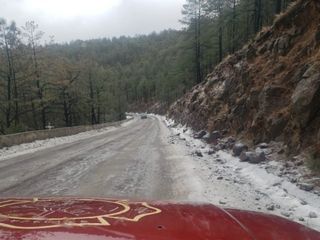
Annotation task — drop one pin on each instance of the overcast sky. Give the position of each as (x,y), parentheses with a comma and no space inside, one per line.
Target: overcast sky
(85,19)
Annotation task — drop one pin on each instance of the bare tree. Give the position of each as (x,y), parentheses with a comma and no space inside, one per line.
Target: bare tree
(33,36)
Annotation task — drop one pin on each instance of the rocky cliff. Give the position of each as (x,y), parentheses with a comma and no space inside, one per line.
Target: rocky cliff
(269,90)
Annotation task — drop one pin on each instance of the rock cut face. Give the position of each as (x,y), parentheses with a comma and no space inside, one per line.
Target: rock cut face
(269,90)
(306,96)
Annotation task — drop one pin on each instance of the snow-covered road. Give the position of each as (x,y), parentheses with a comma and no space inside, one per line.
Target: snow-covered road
(134,161)
(146,159)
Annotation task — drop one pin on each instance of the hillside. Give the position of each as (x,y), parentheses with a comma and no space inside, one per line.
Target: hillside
(269,90)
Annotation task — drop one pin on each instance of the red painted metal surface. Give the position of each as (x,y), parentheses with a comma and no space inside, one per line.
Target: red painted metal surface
(107,219)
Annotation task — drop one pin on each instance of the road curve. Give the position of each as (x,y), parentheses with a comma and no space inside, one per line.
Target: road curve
(133,161)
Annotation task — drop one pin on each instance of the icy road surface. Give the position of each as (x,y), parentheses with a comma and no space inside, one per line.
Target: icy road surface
(134,160)
(146,159)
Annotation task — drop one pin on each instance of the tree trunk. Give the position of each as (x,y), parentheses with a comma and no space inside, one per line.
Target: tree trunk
(15,96)
(65,111)
(197,33)
(234,26)
(278,6)
(198,80)
(93,114)
(220,45)
(9,82)
(220,31)
(257,16)
(43,116)
(8,110)
(34,114)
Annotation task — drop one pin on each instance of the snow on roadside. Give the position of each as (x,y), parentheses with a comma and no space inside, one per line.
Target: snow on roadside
(230,183)
(26,148)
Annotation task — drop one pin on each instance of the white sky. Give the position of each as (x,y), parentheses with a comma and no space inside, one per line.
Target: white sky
(85,19)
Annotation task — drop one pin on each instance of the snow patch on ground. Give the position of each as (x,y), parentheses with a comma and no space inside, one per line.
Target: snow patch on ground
(230,183)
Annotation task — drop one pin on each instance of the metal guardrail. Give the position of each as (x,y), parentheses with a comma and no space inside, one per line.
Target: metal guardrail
(26,137)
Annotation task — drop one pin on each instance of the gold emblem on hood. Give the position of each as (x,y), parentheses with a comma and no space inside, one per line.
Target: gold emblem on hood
(59,212)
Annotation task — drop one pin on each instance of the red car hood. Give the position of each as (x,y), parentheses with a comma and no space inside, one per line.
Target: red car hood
(109,219)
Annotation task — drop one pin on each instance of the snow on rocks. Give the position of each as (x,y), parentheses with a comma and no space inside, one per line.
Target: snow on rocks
(200,134)
(238,148)
(252,157)
(263,145)
(270,207)
(198,153)
(266,186)
(306,186)
(212,137)
(313,215)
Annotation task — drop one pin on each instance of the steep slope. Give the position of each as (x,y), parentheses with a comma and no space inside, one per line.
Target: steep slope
(269,90)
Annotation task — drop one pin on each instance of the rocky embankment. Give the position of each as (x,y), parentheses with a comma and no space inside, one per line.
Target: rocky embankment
(268,92)
(232,174)
(293,169)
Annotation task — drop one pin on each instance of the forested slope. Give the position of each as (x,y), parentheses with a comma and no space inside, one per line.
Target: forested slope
(269,90)
(83,82)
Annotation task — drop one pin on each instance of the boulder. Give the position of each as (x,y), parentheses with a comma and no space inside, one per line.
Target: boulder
(231,140)
(212,136)
(211,152)
(263,145)
(267,151)
(252,157)
(222,146)
(306,187)
(238,148)
(313,215)
(286,214)
(200,134)
(299,163)
(206,137)
(270,207)
(244,157)
(198,153)
(289,164)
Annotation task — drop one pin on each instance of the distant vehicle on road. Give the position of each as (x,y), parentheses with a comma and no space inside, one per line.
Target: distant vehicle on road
(110,219)
(144,116)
